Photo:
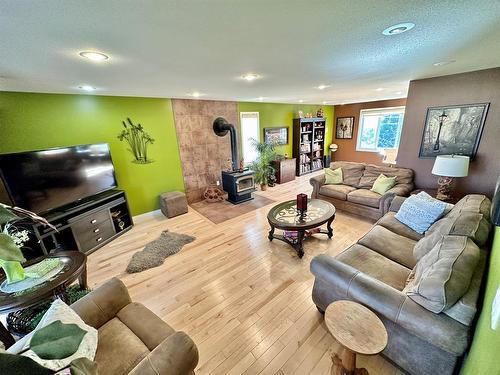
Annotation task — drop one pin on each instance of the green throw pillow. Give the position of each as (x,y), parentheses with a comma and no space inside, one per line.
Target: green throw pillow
(333,176)
(383,183)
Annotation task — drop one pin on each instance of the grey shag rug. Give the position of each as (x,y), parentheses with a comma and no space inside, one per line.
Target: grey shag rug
(155,252)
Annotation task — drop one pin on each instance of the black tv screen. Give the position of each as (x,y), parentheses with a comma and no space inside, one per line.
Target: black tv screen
(43,180)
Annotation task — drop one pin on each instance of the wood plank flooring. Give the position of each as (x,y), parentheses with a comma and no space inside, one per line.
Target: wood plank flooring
(245,301)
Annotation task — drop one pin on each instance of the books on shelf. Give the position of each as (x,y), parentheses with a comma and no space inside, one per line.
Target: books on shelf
(317,164)
(304,168)
(306,147)
(304,159)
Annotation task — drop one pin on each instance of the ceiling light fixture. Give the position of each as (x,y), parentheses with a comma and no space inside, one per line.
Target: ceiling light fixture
(86,88)
(250,77)
(195,94)
(398,92)
(301,101)
(399,28)
(441,63)
(379,89)
(260,98)
(94,56)
(322,87)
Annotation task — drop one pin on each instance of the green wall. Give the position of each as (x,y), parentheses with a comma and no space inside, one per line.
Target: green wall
(36,121)
(273,115)
(483,355)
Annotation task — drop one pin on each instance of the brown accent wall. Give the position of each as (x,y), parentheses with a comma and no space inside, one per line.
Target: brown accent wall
(466,88)
(203,154)
(347,147)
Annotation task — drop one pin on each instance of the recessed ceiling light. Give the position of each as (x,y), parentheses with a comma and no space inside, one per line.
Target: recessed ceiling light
(195,94)
(260,98)
(322,87)
(399,28)
(379,89)
(325,102)
(86,88)
(441,63)
(250,77)
(398,92)
(301,101)
(94,56)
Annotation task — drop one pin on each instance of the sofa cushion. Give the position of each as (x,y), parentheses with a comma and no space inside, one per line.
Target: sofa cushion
(375,265)
(383,184)
(336,191)
(351,171)
(472,203)
(394,225)
(364,197)
(150,329)
(371,172)
(420,213)
(390,244)
(469,224)
(119,350)
(333,176)
(444,274)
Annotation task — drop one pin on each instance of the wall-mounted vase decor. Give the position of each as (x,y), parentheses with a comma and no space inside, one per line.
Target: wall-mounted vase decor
(453,130)
(138,140)
(344,128)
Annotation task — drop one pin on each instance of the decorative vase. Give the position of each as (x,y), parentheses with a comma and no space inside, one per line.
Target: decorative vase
(14,272)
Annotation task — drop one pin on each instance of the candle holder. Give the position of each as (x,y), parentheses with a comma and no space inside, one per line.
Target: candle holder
(302,204)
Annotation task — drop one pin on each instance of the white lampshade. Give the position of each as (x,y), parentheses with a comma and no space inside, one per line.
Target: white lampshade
(451,166)
(334,147)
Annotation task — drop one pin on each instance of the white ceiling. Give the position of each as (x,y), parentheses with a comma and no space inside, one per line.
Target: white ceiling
(171,48)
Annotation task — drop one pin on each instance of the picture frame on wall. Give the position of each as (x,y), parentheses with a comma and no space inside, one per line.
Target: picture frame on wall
(278,135)
(344,128)
(453,130)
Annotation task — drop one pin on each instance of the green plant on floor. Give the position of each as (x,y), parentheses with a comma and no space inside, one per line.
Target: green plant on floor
(54,341)
(262,167)
(138,141)
(12,238)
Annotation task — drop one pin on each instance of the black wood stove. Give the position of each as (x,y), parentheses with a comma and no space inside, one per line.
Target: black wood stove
(238,183)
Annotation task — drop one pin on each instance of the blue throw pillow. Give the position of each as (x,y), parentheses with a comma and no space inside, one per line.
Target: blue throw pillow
(419,212)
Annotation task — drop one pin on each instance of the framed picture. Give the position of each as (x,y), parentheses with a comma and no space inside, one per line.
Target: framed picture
(279,135)
(453,130)
(344,128)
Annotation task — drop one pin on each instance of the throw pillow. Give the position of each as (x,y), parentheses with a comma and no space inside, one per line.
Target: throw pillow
(419,213)
(60,311)
(333,176)
(444,274)
(383,183)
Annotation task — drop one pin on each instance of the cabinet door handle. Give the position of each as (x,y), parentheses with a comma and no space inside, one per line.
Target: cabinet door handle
(99,239)
(93,221)
(96,230)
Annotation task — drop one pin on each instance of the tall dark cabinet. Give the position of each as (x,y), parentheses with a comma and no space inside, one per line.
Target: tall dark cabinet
(308,144)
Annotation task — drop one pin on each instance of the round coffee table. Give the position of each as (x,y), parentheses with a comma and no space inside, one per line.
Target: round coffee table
(358,330)
(286,217)
(75,267)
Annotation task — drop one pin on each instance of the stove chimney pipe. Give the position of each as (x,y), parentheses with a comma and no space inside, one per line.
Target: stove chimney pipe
(221,127)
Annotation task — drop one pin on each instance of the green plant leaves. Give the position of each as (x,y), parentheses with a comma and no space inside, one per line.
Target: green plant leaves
(21,365)
(83,366)
(57,340)
(9,250)
(6,215)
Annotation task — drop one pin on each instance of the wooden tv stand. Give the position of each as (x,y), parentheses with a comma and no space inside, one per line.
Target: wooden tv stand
(86,226)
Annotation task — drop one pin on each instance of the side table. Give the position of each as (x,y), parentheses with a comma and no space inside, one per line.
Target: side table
(358,330)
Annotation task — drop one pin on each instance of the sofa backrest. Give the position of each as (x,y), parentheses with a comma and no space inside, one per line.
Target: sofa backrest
(361,175)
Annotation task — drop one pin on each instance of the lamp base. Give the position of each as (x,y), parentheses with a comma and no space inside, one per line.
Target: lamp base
(445,188)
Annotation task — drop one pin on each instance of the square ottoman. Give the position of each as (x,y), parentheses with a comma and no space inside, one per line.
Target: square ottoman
(173,203)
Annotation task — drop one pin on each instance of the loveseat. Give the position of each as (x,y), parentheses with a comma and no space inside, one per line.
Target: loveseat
(426,336)
(131,338)
(354,194)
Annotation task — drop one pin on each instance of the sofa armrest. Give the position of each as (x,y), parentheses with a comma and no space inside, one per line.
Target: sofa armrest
(176,355)
(392,304)
(316,182)
(396,203)
(385,201)
(102,304)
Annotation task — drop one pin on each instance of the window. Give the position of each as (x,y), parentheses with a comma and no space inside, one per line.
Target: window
(249,122)
(380,129)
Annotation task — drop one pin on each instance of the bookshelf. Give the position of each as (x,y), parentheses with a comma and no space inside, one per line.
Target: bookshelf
(308,144)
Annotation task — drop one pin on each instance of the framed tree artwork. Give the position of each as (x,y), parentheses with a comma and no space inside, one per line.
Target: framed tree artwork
(344,128)
(276,135)
(453,130)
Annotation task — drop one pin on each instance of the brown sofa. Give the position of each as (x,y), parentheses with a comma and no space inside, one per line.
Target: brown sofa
(131,338)
(376,273)
(355,196)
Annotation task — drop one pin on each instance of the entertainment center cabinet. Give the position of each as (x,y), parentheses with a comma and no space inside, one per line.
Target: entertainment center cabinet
(87,226)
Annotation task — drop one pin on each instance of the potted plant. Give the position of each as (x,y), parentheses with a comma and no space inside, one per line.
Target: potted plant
(264,171)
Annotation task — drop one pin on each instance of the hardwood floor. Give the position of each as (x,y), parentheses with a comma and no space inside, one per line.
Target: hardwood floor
(245,301)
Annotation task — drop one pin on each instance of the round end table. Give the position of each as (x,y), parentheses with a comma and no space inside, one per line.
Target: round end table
(358,330)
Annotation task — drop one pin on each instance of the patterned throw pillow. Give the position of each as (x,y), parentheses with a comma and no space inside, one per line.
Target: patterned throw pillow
(333,176)
(420,213)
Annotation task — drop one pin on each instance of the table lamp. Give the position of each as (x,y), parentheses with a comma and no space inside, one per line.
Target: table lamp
(389,156)
(447,167)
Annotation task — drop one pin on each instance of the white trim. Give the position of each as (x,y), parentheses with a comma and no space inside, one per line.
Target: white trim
(248,115)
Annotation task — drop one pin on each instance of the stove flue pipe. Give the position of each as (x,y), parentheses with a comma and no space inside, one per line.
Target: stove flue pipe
(221,127)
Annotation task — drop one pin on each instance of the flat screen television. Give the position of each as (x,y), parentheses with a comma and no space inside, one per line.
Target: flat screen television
(43,180)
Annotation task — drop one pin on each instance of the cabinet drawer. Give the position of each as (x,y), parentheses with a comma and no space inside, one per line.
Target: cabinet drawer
(93,238)
(90,221)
